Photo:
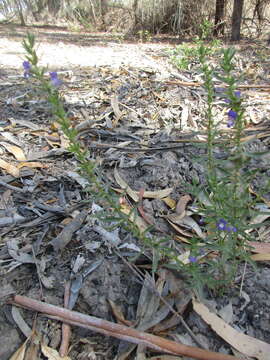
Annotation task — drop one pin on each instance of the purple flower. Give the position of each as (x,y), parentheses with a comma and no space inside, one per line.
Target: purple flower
(27,68)
(232,115)
(221,224)
(54,79)
(26,75)
(230,122)
(26,65)
(231,228)
(201,221)
(192,259)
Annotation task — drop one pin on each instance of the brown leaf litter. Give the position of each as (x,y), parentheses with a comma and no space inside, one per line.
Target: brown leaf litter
(142,122)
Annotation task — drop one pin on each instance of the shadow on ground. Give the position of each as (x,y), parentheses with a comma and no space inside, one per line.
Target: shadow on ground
(54,34)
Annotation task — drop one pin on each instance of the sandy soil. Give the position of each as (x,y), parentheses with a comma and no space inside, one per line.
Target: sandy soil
(65,50)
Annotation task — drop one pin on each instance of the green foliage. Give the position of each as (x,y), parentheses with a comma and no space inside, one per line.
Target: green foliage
(118,37)
(206,30)
(99,191)
(225,203)
(86,23)
(184,55)
(144,36)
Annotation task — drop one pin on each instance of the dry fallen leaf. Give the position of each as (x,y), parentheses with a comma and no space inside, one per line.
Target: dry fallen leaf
(261,257)
(186,220)
(226,313)
(11,138)
(32,164)
(21,323)
(19,354)
(52,354)
(180,213)
(185,115)
(259,247)
(121,182)
(5,199)
(180,230)
(181,238)
(78,178)
(116,110)
(10,169)
(150,310)
(14,150)
(182,204)
(260,218)
(65,236)
(18,255)
(65,142)
(158,194)
(244,343)
(117,312)
(52,143)
(134,217)
(170,202)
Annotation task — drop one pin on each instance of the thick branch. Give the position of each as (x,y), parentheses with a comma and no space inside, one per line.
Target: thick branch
(116,330)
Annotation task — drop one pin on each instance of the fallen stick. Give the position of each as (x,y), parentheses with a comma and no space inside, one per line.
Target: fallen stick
(118,331)
(197,84)
(66,330)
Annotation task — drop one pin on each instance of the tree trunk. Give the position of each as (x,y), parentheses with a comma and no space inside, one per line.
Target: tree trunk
(103,7)
(259,10)
(20,12)
(135,13)
(103,10)
(93,10)
(23,23)
(236,19)
(36,9)
(219,17)
(53,6)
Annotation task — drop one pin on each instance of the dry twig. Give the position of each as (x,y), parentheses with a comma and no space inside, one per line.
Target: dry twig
(197,84)
(118,331)
(66,330)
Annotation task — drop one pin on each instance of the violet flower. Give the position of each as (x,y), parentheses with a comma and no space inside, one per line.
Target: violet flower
(192,259)
(27,69)
(221,224)
(54,79)
(231,229)
(232,115)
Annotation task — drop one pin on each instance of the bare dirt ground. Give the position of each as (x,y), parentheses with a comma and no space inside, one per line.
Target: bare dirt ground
(136,117)
(61,49)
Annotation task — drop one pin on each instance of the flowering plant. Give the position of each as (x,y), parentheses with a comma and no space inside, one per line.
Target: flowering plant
(229,204)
